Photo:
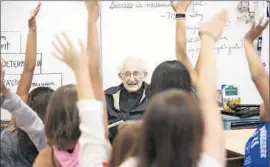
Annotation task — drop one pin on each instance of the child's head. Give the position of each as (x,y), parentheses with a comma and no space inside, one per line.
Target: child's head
(62,119)
(172,130)
(126,143)
(38,100)
(169,75)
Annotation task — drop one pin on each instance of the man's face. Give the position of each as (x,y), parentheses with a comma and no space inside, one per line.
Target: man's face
(132,76)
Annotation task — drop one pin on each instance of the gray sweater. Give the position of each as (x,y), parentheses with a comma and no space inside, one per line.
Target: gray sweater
(17,150)
(27,121)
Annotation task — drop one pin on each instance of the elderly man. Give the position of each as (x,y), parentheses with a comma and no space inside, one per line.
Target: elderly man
(127,101)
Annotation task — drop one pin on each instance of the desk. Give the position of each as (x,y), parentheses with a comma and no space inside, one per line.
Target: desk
(4,124)
(235,140)
(234,122)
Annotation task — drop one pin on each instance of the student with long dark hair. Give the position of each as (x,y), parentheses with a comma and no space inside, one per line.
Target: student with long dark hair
(62,119)
(61,129)
(126,144)
(178,73)
(179,131)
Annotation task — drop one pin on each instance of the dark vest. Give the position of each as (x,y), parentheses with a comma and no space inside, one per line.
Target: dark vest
(115,113)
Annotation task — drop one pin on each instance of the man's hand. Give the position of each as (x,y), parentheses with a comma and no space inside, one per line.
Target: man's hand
(256,30)
(93,10)
(32,18)
(180,6)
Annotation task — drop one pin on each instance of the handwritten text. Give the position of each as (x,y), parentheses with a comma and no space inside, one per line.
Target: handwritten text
(10,42)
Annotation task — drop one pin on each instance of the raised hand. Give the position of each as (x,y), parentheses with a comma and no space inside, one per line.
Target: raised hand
(180,6)
(215,26)
(76,59)
(93,10)
(32,18)
(256,30)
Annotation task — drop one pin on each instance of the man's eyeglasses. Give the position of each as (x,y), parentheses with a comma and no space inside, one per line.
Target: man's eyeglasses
(127,74)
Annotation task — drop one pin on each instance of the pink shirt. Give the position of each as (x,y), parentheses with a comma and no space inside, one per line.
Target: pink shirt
(67,159)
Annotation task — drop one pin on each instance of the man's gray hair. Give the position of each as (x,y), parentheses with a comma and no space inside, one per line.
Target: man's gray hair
(141,64)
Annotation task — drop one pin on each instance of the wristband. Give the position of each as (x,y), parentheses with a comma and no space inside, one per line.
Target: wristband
(180,16)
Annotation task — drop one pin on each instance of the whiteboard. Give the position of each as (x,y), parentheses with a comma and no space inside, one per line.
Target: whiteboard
(146,30)
(265,39)
(265,50)
(53,18)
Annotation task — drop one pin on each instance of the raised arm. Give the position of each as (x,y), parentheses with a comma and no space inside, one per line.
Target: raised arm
(180,7)
(93,51)
(27,119)
(257,71)
(30,58)
(94,148)
(213,143)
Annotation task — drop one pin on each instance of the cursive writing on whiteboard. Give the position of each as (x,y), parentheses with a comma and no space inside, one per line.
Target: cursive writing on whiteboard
(139,4)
